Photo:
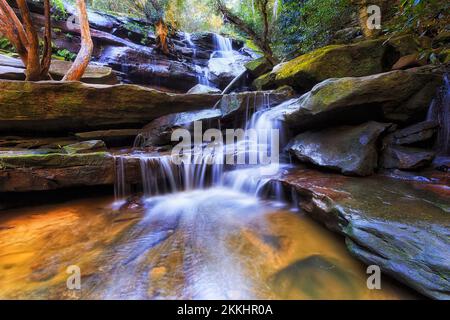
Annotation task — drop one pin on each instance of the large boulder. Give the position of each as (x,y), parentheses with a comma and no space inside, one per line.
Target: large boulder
(397,96)
(398,225)
(258,67)
(351,150)
(338,61)
(50,106)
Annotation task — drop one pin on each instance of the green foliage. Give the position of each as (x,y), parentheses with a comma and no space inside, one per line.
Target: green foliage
(305,25)
(6,45)
(65,54)
(421,16)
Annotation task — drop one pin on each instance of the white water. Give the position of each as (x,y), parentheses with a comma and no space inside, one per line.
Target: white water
(160,175)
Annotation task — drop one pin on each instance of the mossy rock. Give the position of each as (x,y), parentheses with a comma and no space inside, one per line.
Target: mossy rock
(338,61)
(258,67)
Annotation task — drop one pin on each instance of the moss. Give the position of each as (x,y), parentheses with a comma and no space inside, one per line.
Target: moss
(55,160)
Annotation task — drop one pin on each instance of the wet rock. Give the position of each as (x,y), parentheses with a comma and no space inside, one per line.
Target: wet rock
(112,138)
(401,226)
(85,147)
(49,106)
(159,131)
(351,150)
(200,88)
(419,132)
(406,158)
(338,61)
(397,96)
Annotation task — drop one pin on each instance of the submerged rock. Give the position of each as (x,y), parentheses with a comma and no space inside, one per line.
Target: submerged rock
(399,225)
(351,150)
(338,61)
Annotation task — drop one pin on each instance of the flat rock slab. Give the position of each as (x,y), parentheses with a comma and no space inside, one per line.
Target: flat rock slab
(402,226)
(51,106)
(28,171)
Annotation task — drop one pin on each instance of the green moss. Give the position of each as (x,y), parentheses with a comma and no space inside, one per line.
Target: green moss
(53,160)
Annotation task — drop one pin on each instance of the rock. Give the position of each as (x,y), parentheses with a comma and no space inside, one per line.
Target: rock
(409,61)
(35,143)
(347,35)
(223,70)
(419,132)
(85,147)
(49,106)
(230,111)
(399,225)
(338,61)
(159,131)
(348,149)
(200,88)
(397,96)
(247,102)
(258,67)
(13,69)
(12,73)
(112,138)
(25,171)
(406,158)
(94,74)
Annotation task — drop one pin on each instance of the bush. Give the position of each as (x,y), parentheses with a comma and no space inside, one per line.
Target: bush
(305,25)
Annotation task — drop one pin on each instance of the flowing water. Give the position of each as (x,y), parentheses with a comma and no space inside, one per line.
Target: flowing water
(198,231)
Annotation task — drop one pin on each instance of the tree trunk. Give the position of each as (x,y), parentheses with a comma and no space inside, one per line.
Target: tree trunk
(33,70)
(84,55)
(162,32)
(47,53)
(262,41)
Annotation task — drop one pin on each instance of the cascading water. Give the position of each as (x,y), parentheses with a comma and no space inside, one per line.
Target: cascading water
(440,112)
(223,47)
(160,175)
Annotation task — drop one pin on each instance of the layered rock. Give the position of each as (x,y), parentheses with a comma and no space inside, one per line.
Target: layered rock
(351,150)
(338,61)
(31,171)
(398,225)
(73,106)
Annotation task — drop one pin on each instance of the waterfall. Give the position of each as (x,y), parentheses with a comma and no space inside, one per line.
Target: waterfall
(160,174)
(440,112)
(223,47)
